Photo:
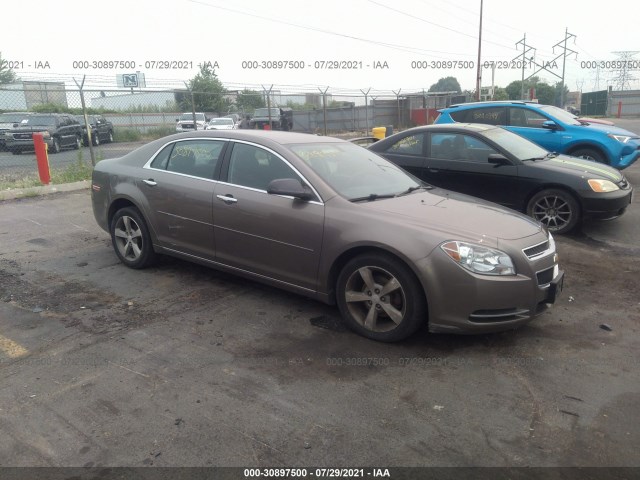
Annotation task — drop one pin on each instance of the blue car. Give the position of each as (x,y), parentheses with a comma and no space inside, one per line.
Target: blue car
(553,129)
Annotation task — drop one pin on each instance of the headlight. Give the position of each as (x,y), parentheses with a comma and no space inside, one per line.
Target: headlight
(620,138)
(602,186)
(477,259)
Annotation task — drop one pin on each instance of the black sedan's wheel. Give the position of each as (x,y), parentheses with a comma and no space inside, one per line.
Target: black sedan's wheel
(380,298)
(131,239)
(78,144)
(556,209)
(589,154)
(110,140)
(96,139)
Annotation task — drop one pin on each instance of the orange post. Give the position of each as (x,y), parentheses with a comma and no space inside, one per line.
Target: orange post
(43,158)
(266,127)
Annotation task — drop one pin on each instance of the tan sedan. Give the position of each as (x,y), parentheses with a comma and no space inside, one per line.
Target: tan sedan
(333,221)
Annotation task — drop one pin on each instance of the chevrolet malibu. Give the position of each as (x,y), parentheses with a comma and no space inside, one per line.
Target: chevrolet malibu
(333,221)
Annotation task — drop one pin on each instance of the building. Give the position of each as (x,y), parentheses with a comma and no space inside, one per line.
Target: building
(23,96)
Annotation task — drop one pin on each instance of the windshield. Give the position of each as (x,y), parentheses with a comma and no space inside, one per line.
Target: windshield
(189,116)
(12,117)
(518,146)
(80,119)
(221,121)
(354,171)
(34,120)
(264,112)
(560,114)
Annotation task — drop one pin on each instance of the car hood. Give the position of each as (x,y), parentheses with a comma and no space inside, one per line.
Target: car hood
(611,129)
(458,215)
(579,166)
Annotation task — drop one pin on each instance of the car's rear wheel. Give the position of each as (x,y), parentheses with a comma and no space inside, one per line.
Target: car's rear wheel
(556,209)
(131,239)
(78,143)
(96,139)
(380,298)
(589,154)
(110,137)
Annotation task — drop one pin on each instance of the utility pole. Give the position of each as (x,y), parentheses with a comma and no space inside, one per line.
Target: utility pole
(624,77)
(525,50)
(324,108)
(479,71)
(86,120)
(567,36)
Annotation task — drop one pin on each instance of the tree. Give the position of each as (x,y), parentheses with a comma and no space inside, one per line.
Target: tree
(248,100)
(446,84)
(500,94)
(208,93)
(545,93)
(7,75)
(558,94)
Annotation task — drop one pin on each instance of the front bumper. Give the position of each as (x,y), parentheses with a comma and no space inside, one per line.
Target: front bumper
(467,303)
(627,160)
(606,206)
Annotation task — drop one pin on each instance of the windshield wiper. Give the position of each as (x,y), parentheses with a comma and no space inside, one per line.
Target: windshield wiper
(372,196)
(413,189)
(548,155)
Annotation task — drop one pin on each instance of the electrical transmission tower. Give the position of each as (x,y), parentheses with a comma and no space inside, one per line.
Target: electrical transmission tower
(623,66)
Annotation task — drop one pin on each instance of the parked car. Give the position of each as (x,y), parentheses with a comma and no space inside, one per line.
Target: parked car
(101,129)
(281,118)
(497,165)
(185,123)
(552,128)
(221,123)
(325,218)
(7,121)
(59,131)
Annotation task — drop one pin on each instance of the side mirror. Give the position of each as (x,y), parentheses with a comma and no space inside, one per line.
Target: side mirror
(550,124)
(290,187)
(498,159)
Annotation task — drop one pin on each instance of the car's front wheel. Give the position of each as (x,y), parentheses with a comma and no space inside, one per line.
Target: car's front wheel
(78,144)
(96,139)
(110,140)
(131,239)
(589,154)
(380,298)
(556,209)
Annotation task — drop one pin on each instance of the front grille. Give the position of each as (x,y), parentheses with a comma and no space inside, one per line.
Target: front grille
(536,250)
(187,125)
(22,136)
(545,276)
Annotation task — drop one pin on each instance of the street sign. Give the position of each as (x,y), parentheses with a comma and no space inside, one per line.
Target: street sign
(131,80)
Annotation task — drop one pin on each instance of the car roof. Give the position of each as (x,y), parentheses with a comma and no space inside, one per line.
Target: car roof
(496,103)
(463,127)
(279,137)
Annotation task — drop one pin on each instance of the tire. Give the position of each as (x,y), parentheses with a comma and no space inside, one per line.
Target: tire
(110,140)
(365,306)
(96,140)
(557,209)
(55,148)
(131,239)
(590,154)
(78,144)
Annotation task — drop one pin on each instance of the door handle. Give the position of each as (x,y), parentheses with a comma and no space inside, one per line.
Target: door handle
(433,170)
(228,199)
(151,182)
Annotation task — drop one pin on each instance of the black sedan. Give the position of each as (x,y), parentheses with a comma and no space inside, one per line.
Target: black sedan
(500,166)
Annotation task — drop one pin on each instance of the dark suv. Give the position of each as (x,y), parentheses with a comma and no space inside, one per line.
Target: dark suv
(101,129)
(7,121)
(58,130)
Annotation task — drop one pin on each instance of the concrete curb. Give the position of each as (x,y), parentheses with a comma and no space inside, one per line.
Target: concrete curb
(44,190)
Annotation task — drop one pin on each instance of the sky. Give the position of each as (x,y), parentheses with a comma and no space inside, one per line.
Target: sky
(412,43)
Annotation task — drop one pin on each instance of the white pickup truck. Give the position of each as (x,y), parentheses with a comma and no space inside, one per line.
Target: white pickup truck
(185,122)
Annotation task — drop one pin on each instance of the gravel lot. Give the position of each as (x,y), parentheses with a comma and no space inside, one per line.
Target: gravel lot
(180,365)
